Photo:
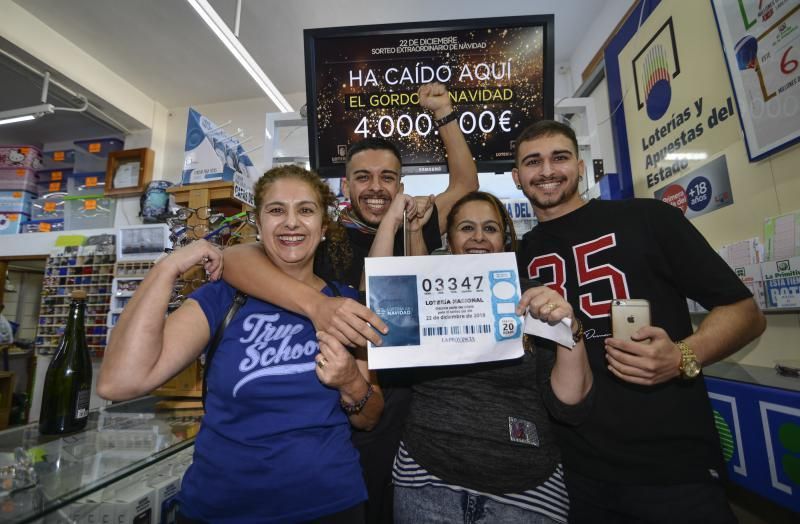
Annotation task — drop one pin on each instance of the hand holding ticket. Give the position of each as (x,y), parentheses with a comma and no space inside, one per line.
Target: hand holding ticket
(560,333)
(443,310)
(547,313)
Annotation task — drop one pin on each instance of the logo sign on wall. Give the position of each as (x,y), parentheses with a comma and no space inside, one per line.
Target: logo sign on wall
(211,154)
(761,43)
(653,70)
(680,111)
(702,191)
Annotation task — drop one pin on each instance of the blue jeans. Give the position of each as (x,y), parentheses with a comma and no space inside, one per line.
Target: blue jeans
(439,505)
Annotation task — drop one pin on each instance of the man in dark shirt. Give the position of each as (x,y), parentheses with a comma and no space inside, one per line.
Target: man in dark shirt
(372,181)
(649,450)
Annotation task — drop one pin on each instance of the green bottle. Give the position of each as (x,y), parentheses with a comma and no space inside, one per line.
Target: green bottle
(68,383)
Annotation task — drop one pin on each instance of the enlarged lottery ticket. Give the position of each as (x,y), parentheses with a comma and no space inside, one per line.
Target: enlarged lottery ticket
(444,309)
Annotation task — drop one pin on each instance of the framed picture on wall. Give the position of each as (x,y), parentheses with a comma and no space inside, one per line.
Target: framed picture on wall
(145,242)
(128,172)
(763,59)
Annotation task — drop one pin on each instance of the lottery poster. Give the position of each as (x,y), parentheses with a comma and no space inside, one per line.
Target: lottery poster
(363,81)
(761,43)
(444,311)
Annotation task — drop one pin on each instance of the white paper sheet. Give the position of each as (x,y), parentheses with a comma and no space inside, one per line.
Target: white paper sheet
(445,309)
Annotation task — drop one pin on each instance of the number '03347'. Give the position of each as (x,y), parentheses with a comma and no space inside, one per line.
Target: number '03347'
(450,284)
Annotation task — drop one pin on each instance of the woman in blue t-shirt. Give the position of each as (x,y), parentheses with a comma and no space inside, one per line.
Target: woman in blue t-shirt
(274,445)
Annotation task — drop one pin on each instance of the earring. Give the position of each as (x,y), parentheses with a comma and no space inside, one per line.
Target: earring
(519,186)
(258,237)
(323,238)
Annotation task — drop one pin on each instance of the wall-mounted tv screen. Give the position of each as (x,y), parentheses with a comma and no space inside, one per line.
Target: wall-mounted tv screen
(362,81)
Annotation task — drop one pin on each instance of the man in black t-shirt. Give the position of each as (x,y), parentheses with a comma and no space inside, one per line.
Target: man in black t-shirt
(372,181)
(649,451)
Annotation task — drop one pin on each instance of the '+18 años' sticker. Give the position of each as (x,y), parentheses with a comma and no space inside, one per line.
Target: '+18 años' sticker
(699,191)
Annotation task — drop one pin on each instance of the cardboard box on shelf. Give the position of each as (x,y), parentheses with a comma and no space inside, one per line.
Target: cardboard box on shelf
(60,158)
(14,156)
(11,223)
(16,202)
(18,179)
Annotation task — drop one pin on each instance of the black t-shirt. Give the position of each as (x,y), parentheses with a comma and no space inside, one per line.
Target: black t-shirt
(360,244)
(642,249)
(393,383)
(459,426)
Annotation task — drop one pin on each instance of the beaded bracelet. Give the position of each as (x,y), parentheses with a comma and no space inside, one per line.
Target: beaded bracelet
(356,407)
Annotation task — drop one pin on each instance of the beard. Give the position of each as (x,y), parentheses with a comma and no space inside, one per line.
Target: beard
(549,201)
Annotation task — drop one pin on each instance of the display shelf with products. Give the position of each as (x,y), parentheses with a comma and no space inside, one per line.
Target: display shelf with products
(127,276)
(88,267)
(130,450)
(217,195)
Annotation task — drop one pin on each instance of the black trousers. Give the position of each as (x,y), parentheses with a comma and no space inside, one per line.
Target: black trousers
(596,502)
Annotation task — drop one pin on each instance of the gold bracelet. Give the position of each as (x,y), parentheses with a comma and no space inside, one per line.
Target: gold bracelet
(578,335)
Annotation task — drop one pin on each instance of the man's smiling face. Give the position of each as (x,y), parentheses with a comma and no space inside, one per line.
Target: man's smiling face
(373,180)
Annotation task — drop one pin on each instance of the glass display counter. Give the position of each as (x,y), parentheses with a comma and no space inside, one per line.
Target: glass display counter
(757,414)
(43,476)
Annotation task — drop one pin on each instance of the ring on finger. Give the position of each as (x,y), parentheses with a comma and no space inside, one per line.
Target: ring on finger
(548,307)
(321,362)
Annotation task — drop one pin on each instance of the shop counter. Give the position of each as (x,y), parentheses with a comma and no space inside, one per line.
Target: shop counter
(757,413)
(46,477)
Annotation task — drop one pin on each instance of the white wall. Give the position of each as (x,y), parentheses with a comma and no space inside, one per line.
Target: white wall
(602,132)
(595,35)
(29,33)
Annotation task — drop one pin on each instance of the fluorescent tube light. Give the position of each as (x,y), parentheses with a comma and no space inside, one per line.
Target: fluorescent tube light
(685,156)
(213,21)
(25,113)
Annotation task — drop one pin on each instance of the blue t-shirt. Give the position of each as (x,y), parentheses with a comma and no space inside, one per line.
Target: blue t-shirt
(274,445)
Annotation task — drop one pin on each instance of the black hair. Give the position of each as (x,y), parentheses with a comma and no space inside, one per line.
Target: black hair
(509,234)
(377,143)
(544,128)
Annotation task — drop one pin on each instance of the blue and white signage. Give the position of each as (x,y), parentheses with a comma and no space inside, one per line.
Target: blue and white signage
(702,191)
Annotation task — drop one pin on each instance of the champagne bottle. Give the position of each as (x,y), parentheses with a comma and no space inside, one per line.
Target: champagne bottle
(68,383)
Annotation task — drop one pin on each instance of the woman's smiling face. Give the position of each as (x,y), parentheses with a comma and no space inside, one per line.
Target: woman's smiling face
(477,229)
(291,223)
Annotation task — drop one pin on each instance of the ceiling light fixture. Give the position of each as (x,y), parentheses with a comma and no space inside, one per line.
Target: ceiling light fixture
(25,114)
(213,21)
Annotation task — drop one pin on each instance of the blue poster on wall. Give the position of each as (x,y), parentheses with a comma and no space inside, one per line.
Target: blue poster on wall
(211,154)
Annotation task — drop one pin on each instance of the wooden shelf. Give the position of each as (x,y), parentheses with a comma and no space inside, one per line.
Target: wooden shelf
(219,196)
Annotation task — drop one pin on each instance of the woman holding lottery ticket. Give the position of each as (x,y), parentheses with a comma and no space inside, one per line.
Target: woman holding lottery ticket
(478,443)
(275,444)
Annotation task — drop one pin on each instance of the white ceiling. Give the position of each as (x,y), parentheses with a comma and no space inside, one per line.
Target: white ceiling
(163,48)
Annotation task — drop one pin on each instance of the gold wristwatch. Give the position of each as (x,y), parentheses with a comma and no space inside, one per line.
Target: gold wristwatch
(689,367)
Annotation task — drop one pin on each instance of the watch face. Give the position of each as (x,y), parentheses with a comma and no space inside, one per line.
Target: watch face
(691,369)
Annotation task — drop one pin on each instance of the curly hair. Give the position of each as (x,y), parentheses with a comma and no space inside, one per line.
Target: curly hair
(509,235)
(337,243)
